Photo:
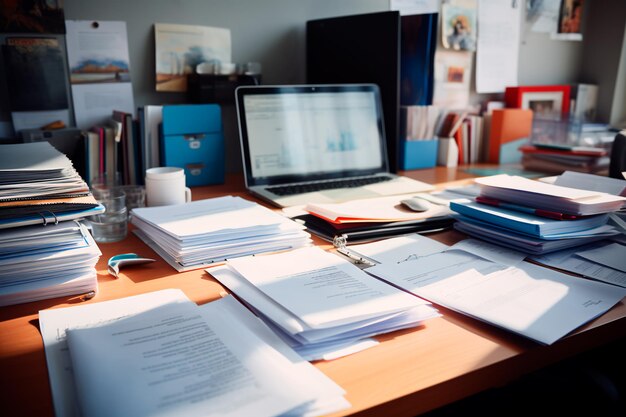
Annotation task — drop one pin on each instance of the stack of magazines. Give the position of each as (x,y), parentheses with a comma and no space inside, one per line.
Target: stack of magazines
(40,187)
(535,217)
(202,233)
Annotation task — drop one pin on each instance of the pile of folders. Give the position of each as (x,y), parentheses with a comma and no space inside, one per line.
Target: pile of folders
(40,187)
(535,217)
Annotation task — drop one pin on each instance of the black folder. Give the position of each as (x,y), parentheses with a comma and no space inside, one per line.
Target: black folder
(348,233)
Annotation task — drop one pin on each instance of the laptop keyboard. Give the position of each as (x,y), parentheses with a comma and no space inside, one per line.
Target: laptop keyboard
(284,190)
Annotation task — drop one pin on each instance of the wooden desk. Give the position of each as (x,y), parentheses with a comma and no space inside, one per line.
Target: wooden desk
(410,372)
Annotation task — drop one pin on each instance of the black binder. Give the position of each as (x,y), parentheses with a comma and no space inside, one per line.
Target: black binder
(343,234)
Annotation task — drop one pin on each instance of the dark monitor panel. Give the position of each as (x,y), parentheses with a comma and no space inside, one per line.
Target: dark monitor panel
(360,49)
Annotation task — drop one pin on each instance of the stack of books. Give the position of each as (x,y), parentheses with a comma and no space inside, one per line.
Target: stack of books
(319,303)
(535,217)
(39,186)
(206,232)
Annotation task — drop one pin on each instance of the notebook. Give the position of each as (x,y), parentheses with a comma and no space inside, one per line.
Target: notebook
(316,144)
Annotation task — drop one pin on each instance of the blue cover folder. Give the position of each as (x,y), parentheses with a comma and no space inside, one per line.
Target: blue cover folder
(526,223)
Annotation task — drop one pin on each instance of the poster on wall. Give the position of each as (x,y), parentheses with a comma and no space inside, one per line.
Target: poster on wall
(181,48)
(458,25)
(99,70)
(36,81)
(570,19)
(561,19)
(453,72)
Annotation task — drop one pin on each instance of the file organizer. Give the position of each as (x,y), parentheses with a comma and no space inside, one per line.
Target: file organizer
(192,138)
(418,154)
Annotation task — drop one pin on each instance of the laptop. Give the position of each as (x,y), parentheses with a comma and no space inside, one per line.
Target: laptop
(316,144)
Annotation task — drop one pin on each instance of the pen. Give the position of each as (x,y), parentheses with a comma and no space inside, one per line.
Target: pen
(525,209)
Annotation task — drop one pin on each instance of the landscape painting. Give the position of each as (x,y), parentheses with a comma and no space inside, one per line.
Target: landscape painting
(181,48)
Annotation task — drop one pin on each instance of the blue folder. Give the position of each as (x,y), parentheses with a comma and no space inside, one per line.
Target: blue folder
(526,223)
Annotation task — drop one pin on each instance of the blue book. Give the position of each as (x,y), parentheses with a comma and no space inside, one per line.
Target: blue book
(526,223)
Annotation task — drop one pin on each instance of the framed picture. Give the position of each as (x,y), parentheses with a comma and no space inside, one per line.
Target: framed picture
(550,102)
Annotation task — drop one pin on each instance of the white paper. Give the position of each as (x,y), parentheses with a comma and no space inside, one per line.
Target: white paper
(373,209)
(613,256)
(38,119)
(99,63)
(94,103)
(324,343)
(55,322)
(226,214)
(398,249)
(410,7)
(536,302)
(490,252)
(320,288)
(568,260)
(205,232)
(498,45)
(175,360)
(536,187)
(330,395)
(583,181)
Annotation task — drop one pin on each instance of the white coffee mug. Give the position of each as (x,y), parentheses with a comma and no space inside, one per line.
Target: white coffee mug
(166,186)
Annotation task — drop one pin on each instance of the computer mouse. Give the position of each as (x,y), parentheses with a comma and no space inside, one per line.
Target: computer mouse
(416,204)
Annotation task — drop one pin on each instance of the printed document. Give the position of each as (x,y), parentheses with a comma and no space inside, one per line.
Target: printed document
(330,395)
(582,260)
(182,360)
(320,288)
(55,322)
(536,302)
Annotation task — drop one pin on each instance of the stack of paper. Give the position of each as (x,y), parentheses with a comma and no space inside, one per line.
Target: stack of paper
(520,190)
(36,169)
(44,262)
(535,217)
(38,184)
(198,234)
(320,304)
(143,344)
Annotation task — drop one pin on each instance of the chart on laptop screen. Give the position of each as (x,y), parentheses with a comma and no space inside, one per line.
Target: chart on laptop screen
(300,133)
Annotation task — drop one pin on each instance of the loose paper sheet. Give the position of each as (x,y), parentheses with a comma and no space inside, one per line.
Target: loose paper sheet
(498,45)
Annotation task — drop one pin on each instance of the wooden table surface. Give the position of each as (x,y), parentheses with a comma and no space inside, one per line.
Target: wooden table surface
(410,372)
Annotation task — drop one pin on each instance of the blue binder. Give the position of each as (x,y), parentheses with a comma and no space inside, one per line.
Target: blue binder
(192,138)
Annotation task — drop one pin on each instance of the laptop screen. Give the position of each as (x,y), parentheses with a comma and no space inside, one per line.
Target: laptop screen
(303,133)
